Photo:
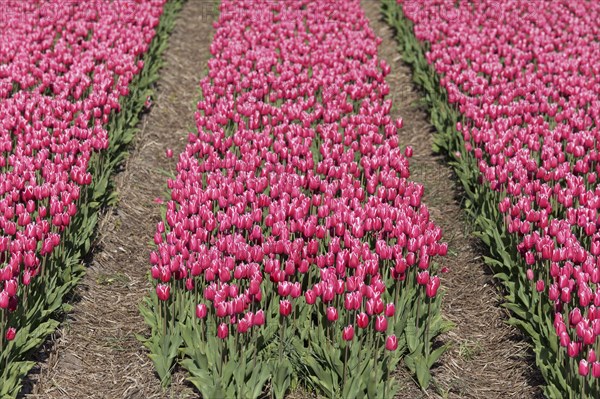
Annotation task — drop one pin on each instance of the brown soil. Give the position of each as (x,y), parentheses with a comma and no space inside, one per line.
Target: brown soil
(487,359)
(95,353)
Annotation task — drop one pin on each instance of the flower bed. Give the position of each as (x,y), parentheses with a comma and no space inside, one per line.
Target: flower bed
(294,247)
(513,92)
(67,115)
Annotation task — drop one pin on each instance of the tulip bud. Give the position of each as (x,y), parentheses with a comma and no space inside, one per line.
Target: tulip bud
(259,318)
(381,323)
(4,299)
(553,292)
(10,287)
(362,320)
(596,370)
(285,307)
(591,357)
(163,291)
(573,349)
(584,368)
(529,272)
(310,297)
(332,314)
(391,343)
(201,311)
(390,309)
(565,340)
(243,326)
(575,317)
(539,285)
(222,331)
(10,333)
(423,278)
(432,286)
(169,153)
(348,333)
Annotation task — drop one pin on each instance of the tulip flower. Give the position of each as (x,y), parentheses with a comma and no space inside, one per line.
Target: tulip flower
(11,332)
(381,323)
(362,320)
(201,311)
(285,307)
(390,309)
(332,314)
(163,291)
(348,333)
(584,368)
(432,286)
(259,318)
(222,331)
(391,343)
(596,369)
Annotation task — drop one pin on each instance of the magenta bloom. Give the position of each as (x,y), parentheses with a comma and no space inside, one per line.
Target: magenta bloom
(11,332)
(163,291)
(391,343)
(348,333)
(223,331)
(381,323)
(285,307)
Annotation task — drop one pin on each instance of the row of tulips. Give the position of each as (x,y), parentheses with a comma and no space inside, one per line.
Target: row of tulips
(514,92)
(294,248)
(66,116)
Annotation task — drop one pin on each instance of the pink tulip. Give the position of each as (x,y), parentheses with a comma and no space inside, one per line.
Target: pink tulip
(163,292)
(332,314)
(391,343)
(201,311)
(348,333)
(285,307)
(432,286)
(596,369)
(390,309)
(584,368)
(362,320)
(11,332)
(381,323)
(259,318)
(222,331)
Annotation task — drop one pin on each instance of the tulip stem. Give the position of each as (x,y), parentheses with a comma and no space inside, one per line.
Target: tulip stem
(427,340)
(164,317)
(345,364)
(281,334)
(2,325)
(418,324)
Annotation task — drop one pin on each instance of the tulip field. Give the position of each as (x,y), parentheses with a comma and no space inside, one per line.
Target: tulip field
(294,248)
(518,113)
(294,253)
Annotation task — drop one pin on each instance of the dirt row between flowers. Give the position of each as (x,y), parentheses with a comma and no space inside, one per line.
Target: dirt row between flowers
(487,358)
(95,353)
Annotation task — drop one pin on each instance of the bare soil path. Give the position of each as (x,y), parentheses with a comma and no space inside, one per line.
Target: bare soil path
(488,359)
(96,354)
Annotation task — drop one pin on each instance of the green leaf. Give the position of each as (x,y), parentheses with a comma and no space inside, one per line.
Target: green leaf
(435,355)
(412,337)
